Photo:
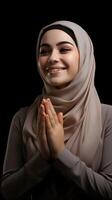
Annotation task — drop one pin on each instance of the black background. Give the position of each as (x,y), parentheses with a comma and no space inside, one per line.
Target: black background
(19,27)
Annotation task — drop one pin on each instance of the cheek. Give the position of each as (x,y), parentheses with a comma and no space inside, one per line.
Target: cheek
(40,65)
(42,61)
(74,64)
(73,60)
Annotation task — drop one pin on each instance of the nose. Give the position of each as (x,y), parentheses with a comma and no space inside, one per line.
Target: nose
(54,56)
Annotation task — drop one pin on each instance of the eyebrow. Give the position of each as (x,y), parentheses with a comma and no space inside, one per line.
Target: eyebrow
(60,43)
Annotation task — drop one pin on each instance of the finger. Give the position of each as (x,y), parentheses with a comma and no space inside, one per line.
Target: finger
(49,113)
(43,138)
(60,117)
(41,120)
(42,109)
(48,123)
(52,110)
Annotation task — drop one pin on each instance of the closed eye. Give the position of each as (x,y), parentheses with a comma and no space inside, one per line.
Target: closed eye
(44,52)
(65,50)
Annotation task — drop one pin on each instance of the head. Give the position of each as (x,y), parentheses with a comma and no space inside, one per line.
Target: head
(58,56)
(63,49)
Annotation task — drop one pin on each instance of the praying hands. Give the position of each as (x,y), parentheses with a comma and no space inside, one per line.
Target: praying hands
(53,134)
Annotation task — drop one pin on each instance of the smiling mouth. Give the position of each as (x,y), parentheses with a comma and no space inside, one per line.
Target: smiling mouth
(53,70)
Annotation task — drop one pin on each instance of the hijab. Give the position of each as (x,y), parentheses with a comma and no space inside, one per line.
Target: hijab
(78,101)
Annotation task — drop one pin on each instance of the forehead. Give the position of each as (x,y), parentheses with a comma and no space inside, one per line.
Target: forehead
(54,36)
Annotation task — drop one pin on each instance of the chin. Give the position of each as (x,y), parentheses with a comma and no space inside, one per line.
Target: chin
(59,85)
(56,82)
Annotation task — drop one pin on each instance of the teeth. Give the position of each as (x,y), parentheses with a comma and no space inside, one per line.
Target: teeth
(54,69)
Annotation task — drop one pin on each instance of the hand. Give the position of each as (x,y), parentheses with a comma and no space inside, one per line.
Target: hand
(54,128)
(42,138)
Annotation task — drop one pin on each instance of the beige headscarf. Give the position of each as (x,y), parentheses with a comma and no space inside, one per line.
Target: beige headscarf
(78,101)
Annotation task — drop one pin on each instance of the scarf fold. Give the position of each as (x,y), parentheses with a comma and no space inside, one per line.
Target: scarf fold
(78,101)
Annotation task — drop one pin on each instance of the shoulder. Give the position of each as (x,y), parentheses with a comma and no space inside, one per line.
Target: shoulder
(107,108)
(106,111)
(107,118)
(19,117)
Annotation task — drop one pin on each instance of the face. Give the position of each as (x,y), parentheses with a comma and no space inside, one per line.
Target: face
(58,58)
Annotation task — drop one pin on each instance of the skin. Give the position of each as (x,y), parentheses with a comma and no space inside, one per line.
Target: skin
(58,62)
(54,128)
(58,59)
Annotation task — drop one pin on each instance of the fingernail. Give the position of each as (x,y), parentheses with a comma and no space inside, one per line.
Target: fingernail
(48,99)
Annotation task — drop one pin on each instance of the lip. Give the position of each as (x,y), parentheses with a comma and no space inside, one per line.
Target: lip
(55,71)
(55,68)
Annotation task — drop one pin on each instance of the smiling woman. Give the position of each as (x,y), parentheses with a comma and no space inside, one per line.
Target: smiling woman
(62,143)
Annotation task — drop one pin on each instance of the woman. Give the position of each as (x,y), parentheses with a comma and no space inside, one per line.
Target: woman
(60,147)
